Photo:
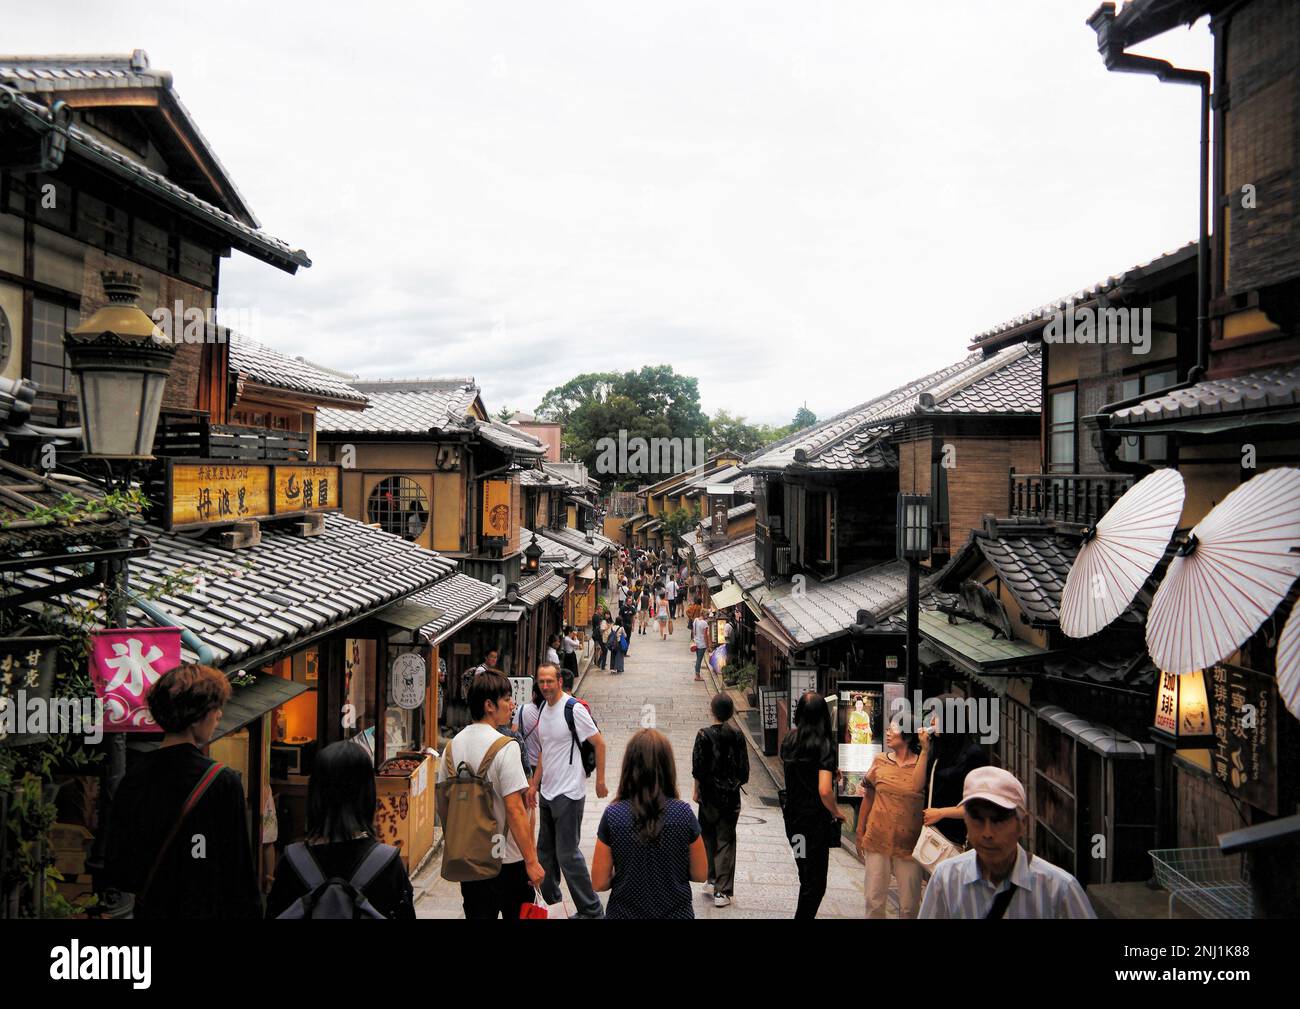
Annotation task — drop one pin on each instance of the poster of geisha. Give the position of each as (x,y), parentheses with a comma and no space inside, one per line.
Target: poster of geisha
(864,710)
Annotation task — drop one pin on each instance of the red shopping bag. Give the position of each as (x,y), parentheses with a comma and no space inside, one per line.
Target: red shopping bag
(537,908)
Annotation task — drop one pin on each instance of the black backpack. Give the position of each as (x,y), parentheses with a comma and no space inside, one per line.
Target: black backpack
(585,748)
(335,897)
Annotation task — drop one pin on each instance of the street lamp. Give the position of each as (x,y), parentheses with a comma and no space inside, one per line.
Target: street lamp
(121,361)
(913,534)
(532,557)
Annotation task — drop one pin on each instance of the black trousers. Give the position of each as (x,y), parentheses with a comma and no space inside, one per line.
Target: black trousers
(718,828)
(813,867)
(499,896)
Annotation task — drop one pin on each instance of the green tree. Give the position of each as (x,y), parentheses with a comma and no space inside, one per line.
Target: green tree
(505,413)
(727,430)
(803,418)
(654,402)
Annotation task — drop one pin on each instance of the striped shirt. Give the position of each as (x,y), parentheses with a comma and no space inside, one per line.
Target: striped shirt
(958,890)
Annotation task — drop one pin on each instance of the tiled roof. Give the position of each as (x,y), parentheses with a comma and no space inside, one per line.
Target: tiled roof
(734,559)
(578,541)
(553,550)
(827,609)
(1256,392)
(541,585)
(1040,316)
(62,74)
(261,598)
(1004,382)
(259,363)
(1033,569)
(461,598)
(741,511)
(245,237)
(404,409)
(509,439)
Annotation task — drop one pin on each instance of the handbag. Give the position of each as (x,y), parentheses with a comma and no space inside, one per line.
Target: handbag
(932,847)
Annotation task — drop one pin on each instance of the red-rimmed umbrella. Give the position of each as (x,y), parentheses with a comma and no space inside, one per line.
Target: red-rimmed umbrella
(1288,662)
(1120,552)
(1235,568)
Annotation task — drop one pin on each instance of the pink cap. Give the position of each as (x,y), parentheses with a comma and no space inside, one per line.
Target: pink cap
(996,785)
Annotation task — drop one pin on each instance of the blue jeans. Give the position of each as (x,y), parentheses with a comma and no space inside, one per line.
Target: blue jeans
(700,654)
(557,850)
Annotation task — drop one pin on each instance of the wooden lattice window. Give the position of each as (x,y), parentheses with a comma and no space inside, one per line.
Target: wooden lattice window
(398,505)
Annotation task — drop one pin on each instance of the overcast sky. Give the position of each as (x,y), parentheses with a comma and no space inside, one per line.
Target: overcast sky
(794,201)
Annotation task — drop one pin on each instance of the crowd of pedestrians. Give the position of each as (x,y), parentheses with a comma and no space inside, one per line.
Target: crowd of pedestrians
(512,787)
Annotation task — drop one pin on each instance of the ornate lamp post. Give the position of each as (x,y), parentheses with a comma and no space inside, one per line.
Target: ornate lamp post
(120,361)
(913,535)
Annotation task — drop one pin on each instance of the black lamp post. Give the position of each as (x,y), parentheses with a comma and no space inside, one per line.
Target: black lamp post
(120,361)
(913,534)
(532,557)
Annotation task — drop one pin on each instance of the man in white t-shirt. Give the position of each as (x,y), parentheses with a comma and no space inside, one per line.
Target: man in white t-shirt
(561,782)
(491,704)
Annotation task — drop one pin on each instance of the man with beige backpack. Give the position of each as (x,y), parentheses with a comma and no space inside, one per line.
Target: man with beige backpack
(487,839)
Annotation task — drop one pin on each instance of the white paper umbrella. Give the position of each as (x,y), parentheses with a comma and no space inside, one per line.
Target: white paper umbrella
(1288,662)
(1237,566)
(1120,552)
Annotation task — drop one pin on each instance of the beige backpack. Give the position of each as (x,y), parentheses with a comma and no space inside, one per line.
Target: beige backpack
(469,825)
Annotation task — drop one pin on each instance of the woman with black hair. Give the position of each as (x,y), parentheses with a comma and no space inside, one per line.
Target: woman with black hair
(812,819)
(340,834)
(889,821)
(720,766)
(953,756)
(648,844)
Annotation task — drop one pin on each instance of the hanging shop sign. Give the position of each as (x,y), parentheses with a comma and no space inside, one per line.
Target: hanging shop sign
(1243,707)
(407,683)
(206,493)
(496,508)
(521,687)
(767,704)
(124,664)
(26,682)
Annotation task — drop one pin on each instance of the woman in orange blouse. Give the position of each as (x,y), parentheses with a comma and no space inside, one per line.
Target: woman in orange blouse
(889,822)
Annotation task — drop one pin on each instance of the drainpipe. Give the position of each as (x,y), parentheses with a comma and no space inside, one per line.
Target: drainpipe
(163,619)
(1113,55)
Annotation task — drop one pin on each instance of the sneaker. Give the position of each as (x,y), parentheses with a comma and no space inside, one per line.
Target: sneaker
(708,888)
(721,900)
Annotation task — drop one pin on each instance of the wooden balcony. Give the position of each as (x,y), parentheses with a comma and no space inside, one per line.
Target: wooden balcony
(197,439)
(1067,498)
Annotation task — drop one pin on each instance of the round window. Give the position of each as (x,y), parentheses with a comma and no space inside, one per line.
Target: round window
(398,505)
(6,340)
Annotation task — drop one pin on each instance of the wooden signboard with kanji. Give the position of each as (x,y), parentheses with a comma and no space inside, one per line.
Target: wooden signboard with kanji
(1244,704)
(203,493)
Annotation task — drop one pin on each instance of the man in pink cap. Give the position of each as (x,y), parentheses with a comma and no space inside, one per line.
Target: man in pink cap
(996,878)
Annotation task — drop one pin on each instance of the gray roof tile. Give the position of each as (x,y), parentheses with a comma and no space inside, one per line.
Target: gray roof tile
(259,363)
(404,410)
(1256,392)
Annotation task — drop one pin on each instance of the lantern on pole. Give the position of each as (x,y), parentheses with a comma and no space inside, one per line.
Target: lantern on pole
(121,361)
(532,557)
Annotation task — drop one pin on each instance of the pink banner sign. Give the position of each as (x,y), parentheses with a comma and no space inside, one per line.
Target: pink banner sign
(124,664)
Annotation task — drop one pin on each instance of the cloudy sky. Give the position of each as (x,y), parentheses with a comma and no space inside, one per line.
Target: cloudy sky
(796,201)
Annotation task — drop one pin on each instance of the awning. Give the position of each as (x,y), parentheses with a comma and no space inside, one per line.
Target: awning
(246,705)
(1098,738)
(771,630)
(715,583)
(409,614)
(460,599)
(972,643)
(589,573)
(727,596)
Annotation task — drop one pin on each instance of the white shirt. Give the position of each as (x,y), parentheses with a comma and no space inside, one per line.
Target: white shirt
(958,890)
(671,589)
(526,721)
(506,774)
(559,776)
(570,645)
(700,630)
(552,656)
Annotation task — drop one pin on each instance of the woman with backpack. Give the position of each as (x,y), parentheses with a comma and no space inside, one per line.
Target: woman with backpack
(341,845)
(812,819)
(720,766)
(648,845)
(617,645)
(174,793)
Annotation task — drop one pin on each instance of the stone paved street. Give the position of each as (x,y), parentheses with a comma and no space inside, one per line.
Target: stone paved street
(658,689)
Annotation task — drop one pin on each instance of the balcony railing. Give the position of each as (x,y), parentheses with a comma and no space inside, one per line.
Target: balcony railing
(1074,498)
(201,440)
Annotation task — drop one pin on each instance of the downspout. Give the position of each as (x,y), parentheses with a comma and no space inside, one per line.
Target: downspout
(1113,55)
(164,619)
